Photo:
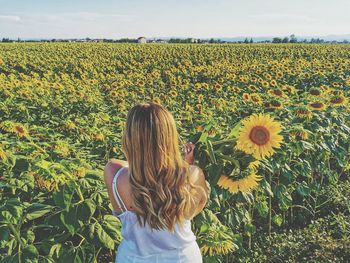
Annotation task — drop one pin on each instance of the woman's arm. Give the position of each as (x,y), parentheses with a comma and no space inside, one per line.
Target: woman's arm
(200,181)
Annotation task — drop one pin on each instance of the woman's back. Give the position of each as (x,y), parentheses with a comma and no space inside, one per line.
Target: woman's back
(144,244)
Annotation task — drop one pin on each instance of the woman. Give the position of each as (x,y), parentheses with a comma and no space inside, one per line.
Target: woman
(155,193)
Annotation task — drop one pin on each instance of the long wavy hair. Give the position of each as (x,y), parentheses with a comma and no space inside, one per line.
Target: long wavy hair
(158,175)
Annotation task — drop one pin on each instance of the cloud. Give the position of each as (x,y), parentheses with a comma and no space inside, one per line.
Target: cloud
(10,18)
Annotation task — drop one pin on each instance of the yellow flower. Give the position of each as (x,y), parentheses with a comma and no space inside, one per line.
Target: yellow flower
(173,93)
(338,100)
(99,137)
(317,106)
(303,113)
(245,184)
(157,100)
(259,136)
(80,172)
(20,130)
(3,155)
(246,97)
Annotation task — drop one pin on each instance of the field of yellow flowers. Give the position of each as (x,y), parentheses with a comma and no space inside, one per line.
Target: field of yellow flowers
(271,124)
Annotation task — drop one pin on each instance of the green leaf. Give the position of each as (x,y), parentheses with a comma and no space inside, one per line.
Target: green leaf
(203,138)
(86,209)
(70,219)
(262,208)
(37,210)
(204,228)
(277,219)
(211,152)
(30,254)
(214,173)
(235,130)
(267,187)
(21,165)
(303,189)
(63,198)
(249,229)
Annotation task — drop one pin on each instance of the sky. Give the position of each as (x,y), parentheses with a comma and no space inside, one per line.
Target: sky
(177,18)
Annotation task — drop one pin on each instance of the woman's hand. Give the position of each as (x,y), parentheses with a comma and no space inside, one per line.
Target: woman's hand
(189,149)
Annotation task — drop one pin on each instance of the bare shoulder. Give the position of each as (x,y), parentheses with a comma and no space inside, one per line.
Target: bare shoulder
(111,168)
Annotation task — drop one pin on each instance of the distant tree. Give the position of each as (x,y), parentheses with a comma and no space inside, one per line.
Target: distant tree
(285,40)
(212,40)
(246,41)
(251,40)
(277,40)
(293,39)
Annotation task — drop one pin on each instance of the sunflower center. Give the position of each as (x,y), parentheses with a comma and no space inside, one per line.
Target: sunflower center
(337,100)
(20,129)
(315,92)
(316,105)
(259,135)
(277,92)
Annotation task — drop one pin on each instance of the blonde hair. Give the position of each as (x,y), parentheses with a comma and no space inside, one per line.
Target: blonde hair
(161,190)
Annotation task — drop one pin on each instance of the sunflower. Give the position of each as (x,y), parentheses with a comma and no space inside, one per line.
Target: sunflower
(79,171)
(252,88)
(157,100)
(199,128)
(199,108)
(299,133)
(99,137)
(256,98)
(315,92)
(339,100)
(217,87)
(303,112)
(197,85)
(173,93)
(200,98)
(336,84)
(259,135)
(276,104)
(245,184)
(276,92)
(42,182)
(20,130)
(273,83)
(3,155)
(253,166)
(265,84)
(205,85)
(289,89)
(236,89)
(326,88)
(246,97)
(219,239)
(317,106)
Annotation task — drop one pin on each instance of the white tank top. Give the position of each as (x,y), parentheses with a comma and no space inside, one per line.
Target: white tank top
(145,241)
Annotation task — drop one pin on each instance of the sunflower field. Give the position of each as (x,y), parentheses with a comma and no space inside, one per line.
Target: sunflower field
(271,124)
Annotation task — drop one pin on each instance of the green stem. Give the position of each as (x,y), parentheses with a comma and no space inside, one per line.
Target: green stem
(223,141)
(15,233)
(270,207)
(80,194)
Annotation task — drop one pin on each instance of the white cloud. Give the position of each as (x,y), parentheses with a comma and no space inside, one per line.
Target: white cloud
(7,18)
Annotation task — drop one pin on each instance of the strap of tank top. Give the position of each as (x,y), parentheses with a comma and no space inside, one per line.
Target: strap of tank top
(115,191)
